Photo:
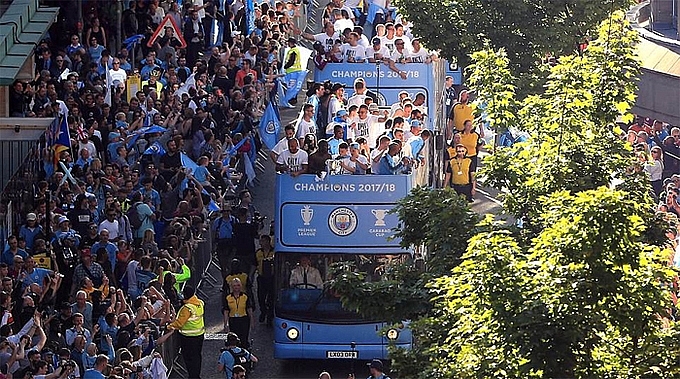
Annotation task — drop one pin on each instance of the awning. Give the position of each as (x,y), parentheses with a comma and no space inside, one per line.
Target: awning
(22,25)
(658,58)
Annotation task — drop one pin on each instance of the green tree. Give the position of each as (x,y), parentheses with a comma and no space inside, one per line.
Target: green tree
(583,289)
(438,222)
(526,29)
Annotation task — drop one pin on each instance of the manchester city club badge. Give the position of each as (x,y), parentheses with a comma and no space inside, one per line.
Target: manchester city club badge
(342,221)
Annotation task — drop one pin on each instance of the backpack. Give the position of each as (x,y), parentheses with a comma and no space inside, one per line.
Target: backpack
(134,217)
(241,358)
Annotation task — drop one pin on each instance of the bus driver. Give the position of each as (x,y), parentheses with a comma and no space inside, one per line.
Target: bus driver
(304,275)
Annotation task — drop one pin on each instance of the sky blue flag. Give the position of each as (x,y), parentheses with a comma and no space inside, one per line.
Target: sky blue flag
(294,82)
(155,149)
(146,130)
(188,162)
(270,123)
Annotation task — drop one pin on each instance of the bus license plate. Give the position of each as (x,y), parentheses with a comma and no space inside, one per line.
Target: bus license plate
(341,354)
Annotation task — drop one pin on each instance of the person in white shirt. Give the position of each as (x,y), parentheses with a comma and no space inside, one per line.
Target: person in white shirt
(327,38)
(367,125)
(418,54)
(306,125)
(355,164)
(110,224)
(400,53)
(363,40)
(389,39)
(289,132)
(305,276)
(342,20)
(293,161)
(116,72)
(399,32)
(351,51)
(377,51)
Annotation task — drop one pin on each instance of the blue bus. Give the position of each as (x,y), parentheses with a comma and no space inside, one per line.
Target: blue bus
(318,223)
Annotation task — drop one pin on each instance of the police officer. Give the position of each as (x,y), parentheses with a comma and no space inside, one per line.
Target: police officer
(191,327)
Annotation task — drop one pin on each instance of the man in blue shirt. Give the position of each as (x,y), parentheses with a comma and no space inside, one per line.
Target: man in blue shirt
(148,191)
(104,243)
(223,229)
(99,367)
(389,164)
(233,355)
(12,250)
(34,274)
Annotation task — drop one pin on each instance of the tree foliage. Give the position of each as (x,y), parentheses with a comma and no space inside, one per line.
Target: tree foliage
(583,289)
(437,221)
(526,29)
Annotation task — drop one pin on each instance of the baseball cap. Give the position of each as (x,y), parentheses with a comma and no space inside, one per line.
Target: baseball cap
(373,107)
(342,112)
(375,41)
(31,217)
(376,364)
(62,219)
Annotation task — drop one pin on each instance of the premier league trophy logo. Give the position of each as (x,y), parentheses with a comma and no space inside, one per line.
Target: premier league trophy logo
(379,216)
(307,213)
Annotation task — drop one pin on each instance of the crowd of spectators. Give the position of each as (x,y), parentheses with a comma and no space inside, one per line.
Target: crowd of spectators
(110,231)
(657,148)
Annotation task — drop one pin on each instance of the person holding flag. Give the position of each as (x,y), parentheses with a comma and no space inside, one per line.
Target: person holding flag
(294,60)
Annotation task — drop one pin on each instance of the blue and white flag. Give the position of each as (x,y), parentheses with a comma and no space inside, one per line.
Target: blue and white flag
(250,16)
(130,42)
(294,82)
(155,149)
(270,123)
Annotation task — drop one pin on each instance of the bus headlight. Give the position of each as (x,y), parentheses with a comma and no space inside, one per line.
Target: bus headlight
(292,334)
(392,334)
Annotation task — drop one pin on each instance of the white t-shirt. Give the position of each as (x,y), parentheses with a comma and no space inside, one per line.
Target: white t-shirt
(368,128)
(112,227)
(326,41)
(383,51)
(358,53)
(419,57)
(348,162)
(388,43)
(293,161)
(280,146)
(304,128)
(356,99)
(119,75)
(343,24)
(363,41)
(398,57)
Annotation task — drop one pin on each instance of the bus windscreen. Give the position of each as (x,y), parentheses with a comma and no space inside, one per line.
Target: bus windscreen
(302,285)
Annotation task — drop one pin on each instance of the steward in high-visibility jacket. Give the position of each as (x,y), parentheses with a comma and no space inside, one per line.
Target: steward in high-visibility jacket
(293,61)
(191,327)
